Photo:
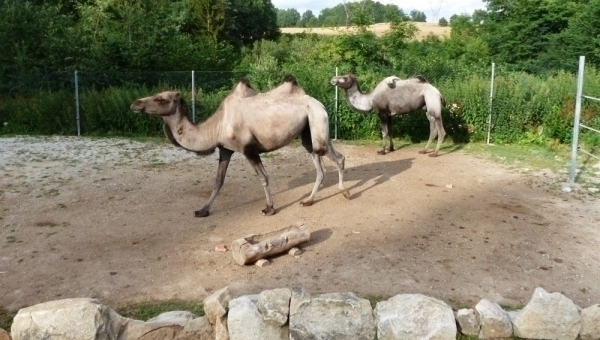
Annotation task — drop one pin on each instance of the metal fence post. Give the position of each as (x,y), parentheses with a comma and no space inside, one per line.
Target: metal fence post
(491,101)
(193,97)
(77,105)
(578,100)
(335,124)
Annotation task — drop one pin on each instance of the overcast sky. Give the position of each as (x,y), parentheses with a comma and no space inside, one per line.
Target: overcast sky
(433,9)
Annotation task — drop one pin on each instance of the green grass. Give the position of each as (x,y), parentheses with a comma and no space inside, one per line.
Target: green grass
(6,318)
(147,310)
(534,156)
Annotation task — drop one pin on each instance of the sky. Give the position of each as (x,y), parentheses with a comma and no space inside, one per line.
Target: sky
(433,9)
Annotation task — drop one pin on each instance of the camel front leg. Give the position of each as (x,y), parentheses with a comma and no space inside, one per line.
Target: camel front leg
(432,133)
(319,166)
(224,158)
(389,128)
(264,180)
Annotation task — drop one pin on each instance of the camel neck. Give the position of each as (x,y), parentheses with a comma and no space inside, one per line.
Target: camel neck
(358,100)
(193,137)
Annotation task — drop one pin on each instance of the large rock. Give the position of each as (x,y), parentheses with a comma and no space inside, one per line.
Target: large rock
(547,316)
(494,321)
(337,316)
(414,316)
(468,321)
(245,322)
(69,319)
(274,305)
(590,323)
(170,325)
(221,332)
(215,306)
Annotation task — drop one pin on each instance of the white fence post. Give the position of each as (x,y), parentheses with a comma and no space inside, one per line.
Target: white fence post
(193,97)
(578,100)
(489,120)
(77,105)
(336,109)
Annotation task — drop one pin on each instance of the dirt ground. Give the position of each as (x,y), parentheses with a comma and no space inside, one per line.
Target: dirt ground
(113,219)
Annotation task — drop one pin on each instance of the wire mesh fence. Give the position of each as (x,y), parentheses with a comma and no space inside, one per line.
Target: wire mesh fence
(524,106)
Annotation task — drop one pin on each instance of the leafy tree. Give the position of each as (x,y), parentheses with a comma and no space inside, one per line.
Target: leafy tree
(287,17)
(247,21)
(443,22)
(519,31)
(417,16)
(308,19)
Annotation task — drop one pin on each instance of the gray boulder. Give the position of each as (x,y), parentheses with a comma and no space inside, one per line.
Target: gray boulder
(245,322)
(215,306)
(274,305)
(68,319)
(170,325)
(547,316)
(414,316)
(494,321)
(590,323)
(337,316)
(468,321)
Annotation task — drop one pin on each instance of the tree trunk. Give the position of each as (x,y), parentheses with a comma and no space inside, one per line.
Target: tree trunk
(255,247)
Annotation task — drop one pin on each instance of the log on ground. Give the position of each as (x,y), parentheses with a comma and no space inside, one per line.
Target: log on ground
(253,247)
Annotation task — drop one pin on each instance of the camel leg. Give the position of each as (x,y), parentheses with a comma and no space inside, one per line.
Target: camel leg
(432,133)
(389,130)
(384,133)
(224,158)
(441,133)
(339,159)
(319,166)
(264,179)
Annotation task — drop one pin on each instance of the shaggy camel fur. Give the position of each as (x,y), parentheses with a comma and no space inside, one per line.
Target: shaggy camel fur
(395,96)
(251,123)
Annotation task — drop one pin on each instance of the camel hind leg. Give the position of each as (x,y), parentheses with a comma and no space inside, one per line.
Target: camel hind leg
(441,133)
(340,161)
(433,132)
(256,163)
(319,166)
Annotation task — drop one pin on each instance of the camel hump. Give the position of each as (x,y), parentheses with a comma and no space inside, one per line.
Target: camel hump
(245,81)
(290,78)
(421,79)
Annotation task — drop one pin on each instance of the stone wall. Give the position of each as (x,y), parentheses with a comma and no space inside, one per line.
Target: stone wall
(294,314)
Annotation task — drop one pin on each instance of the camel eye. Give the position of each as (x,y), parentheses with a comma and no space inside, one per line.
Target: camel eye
(159,100)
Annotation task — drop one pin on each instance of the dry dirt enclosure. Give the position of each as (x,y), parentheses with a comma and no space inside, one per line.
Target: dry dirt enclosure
(113,219)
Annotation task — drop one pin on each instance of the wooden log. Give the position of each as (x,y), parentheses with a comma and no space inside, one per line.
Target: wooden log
(251,248)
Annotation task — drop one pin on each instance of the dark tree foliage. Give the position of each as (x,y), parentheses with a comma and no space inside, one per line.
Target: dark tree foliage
(418,16)
(287,17)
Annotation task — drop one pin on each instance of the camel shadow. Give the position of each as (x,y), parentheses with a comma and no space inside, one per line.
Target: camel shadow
(448,149)
(378,173)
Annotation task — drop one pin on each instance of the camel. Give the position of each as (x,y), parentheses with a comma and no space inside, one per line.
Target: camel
(250,123)
(395,96)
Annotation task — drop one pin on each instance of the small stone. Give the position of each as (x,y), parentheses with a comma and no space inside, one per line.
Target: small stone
(4,335)
(262,263)
(215,306)
(295,251)
(593,190)
(221,247)
(566,189)
(449,186)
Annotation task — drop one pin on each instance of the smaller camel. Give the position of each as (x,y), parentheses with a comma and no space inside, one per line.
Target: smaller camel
(251,123)
(395,96)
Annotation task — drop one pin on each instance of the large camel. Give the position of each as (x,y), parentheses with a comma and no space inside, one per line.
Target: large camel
(251,123)
(395,96)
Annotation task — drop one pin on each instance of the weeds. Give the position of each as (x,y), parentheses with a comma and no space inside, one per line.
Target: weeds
(147,310)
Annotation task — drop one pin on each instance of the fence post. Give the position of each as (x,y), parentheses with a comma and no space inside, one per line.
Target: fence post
(335,124)
(578,99)
(77,105)
(491,101)
(193,97)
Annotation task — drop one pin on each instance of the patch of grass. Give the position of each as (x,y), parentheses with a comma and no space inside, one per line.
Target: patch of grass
(513,307)
(534,156)
(147,310)
(11,239)
(49,192)
(6,318)
(62,205)
(373,299)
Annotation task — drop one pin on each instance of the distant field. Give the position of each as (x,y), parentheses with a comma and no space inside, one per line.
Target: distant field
(379,29)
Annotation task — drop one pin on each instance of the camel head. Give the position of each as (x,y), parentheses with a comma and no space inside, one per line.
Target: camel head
(345,81)
(161,104)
